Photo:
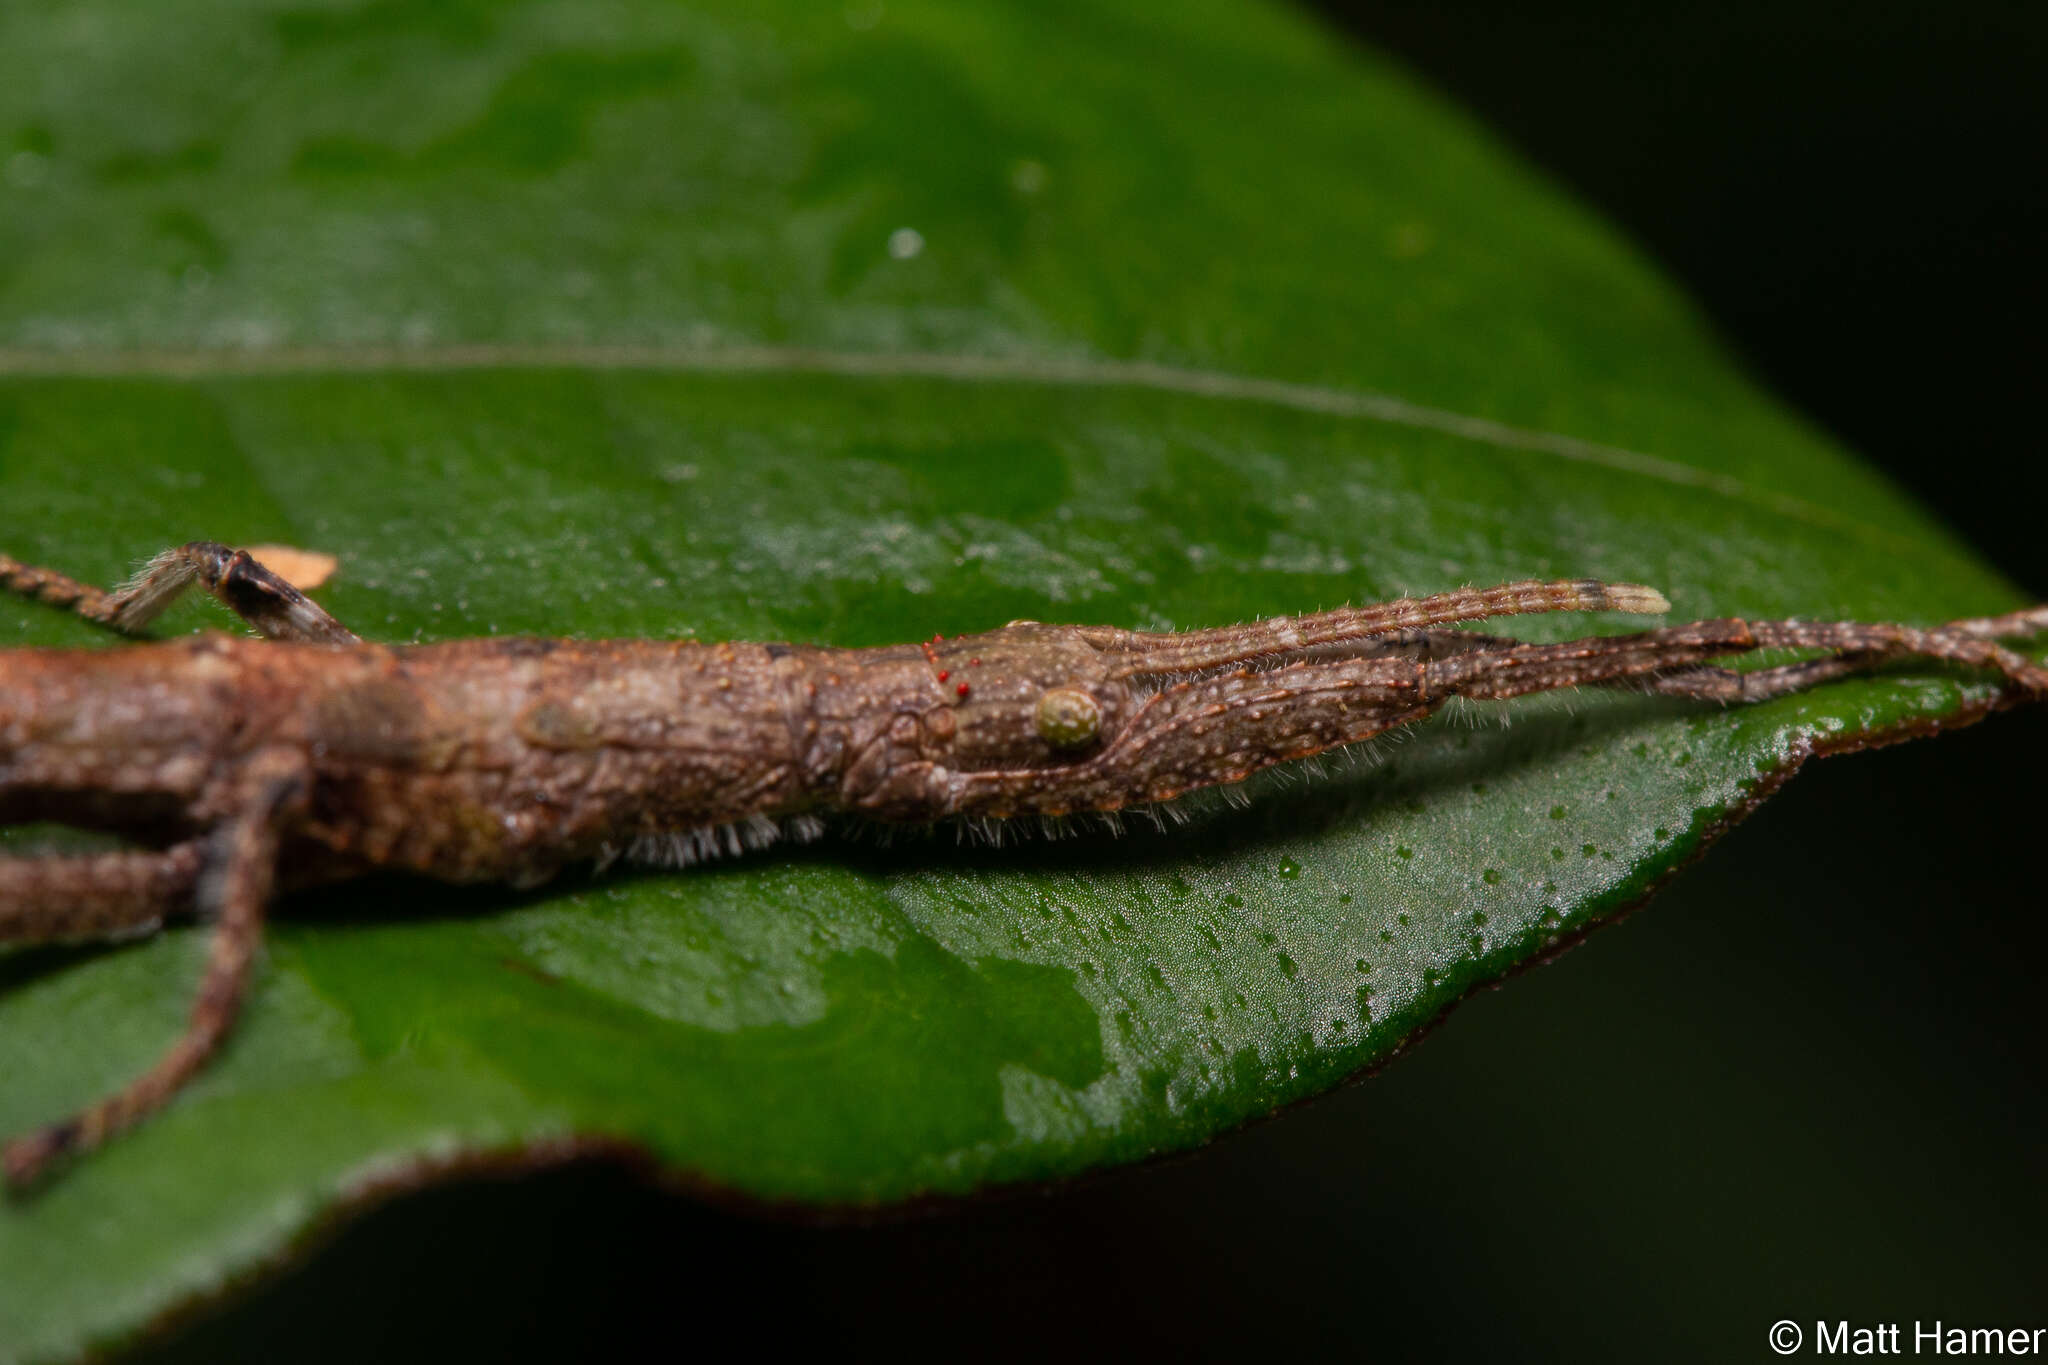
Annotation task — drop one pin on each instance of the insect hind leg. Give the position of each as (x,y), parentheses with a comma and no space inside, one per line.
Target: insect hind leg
(97,896)
(238,874)
(242,583)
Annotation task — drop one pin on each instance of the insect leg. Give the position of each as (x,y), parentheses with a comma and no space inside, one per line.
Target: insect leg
(47,585)
(240,868)
(1701,682)
(2011,626)
(1857,647)
(1973,643)
(1707,683)
(1670,660)
(99,896)
(266,601)
(1194,650)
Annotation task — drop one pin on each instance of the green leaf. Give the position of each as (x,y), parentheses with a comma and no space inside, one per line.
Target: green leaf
(775,320)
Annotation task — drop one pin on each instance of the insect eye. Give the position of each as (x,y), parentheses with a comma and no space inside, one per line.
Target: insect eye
(1068,718)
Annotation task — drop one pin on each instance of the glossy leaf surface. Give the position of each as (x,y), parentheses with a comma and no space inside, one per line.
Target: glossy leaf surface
(784,321)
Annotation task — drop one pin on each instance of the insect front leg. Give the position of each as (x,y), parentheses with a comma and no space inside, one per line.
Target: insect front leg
(1671,660)
(1707,682)
(239,870)
(275,608)
(1723,684)
(1194,650)
(98,896)
(1700,682)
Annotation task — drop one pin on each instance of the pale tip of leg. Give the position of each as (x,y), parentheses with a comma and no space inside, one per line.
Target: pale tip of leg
(1636,598)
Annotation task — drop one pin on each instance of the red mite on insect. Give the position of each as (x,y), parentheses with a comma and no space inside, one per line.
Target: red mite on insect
(241,767)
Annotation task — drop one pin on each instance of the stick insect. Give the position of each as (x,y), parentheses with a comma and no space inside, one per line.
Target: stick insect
(242,766)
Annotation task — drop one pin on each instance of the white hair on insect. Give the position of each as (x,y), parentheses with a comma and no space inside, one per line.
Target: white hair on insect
(687,847)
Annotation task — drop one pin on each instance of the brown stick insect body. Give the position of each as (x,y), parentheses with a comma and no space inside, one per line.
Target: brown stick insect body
(243,764)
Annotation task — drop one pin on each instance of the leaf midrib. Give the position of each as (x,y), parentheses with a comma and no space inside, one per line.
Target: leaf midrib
(1077,371)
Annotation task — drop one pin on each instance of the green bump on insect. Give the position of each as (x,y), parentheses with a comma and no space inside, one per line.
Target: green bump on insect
(1068,718)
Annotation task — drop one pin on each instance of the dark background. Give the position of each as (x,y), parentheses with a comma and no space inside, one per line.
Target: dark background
(1681,1132)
